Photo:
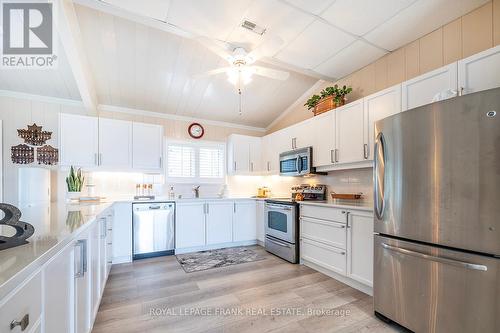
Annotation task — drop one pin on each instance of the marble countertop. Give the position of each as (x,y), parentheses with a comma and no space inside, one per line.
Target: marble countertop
(56,225)
(341,203)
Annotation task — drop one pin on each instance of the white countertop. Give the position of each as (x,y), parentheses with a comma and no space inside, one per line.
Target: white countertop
(344,204)
(56,225)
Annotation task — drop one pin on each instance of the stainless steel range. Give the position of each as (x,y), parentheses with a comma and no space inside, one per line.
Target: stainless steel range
(282,221)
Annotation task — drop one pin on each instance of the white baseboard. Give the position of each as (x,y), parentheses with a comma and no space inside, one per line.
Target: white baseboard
(214,246)
(350,282)
(122,260)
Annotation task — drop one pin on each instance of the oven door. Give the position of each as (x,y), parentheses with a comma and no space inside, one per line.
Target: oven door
(280,221)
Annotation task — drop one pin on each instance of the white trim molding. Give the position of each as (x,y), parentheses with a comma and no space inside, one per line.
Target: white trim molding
(146,113)
(41,98)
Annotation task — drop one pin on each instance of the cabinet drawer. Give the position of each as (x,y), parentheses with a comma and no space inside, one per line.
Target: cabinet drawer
(326,256)
(327,232)
(323,213)
(26,301)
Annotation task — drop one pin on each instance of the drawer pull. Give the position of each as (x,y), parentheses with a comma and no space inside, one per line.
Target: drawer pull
(23,323)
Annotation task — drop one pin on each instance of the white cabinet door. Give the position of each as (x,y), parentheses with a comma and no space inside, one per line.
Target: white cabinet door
(274,144)
(94,268)
(260,220)
(349,133)
(378,106)
(219,222)
(103,230)
(480,71)
(238,154)
(255,153)
(324,139)
(244,219)
(147,146)
(303,134)
(115,143)
(360,247)
(423,89)
(78,140)
(59,288)
(82,284)
(122,232)
(268,153)
(189,224)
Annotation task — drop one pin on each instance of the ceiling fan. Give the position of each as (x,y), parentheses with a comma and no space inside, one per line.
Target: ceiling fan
(241,68)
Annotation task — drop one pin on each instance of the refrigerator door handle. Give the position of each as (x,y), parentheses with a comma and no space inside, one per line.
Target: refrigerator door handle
(379,173)
(442,260)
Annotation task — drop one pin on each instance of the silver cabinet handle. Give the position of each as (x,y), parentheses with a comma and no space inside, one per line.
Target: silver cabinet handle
(104,231)
(23,323)
(332,159)
(82,244)
(234,207)
(251,166)
(160,162)
(365,151)
(336,155)
(96,161)
(155,207)
(452,262)
(461,91)
(208,208)
(278,207)
(379,172)
(234,167)
(268,167)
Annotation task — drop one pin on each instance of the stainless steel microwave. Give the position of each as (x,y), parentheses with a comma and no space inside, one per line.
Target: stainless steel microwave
(297,162)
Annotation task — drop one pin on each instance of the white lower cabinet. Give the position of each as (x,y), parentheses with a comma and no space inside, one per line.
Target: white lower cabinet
(59,289)
(260,221)
(244,228)
(190,226)
(23,308)
(339,242)
(122,232)
(360,247)
(219,222)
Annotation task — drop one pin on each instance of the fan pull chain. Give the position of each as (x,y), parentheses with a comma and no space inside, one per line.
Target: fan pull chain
(239,90)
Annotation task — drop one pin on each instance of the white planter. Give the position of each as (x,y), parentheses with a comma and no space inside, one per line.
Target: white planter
(73,196)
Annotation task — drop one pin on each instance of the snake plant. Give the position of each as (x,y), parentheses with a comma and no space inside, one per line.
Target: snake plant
(75,180)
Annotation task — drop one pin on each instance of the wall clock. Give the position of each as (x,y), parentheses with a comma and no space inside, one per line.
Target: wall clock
(196,131)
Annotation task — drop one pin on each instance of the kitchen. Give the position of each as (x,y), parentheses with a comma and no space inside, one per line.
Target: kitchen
(193,166)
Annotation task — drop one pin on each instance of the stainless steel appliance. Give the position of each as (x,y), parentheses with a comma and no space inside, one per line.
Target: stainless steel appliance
(297,162)
(153,229)
(282,221)
(437,216)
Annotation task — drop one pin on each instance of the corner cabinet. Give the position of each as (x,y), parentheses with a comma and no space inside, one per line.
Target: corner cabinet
(109,144)
(480,71)
(147,145)
(78,140)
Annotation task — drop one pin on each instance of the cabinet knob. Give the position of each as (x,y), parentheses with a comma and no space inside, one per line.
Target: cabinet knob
(23,323)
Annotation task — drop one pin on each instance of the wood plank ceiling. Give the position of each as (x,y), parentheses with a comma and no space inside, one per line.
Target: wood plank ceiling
(136,65)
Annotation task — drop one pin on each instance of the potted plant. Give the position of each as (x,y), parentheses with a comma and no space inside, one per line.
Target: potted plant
(330,98)
(74,181)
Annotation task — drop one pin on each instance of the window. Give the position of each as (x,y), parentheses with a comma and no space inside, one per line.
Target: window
(195,162)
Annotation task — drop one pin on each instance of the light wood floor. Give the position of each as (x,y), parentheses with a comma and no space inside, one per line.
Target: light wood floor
(160,286)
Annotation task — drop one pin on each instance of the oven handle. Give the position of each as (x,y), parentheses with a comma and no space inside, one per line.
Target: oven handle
(278,242)
(278,207)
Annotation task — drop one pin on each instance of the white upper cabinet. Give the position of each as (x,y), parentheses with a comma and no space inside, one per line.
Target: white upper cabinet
(378,106)
(301,135)
(423,89)
(147,146)
(349,133)
(78,140)
(324,139)
(480,71)
(244,154)
(219,222)
(115,143)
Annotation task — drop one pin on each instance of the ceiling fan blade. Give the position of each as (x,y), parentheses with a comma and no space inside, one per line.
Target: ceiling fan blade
(213,72)
(220,48)
(270,73)
(268,48)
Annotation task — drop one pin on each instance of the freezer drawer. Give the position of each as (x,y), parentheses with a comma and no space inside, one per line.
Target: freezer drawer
(430,289)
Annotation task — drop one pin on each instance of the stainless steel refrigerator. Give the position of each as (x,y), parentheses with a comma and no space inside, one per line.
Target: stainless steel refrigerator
(437,216)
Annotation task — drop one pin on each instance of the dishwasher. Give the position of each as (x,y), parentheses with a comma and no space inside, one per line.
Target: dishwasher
(153,229)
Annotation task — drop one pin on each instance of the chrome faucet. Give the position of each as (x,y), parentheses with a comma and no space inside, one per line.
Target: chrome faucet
(196,190)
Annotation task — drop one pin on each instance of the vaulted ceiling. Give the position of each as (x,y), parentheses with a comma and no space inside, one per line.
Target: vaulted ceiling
(144,54)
